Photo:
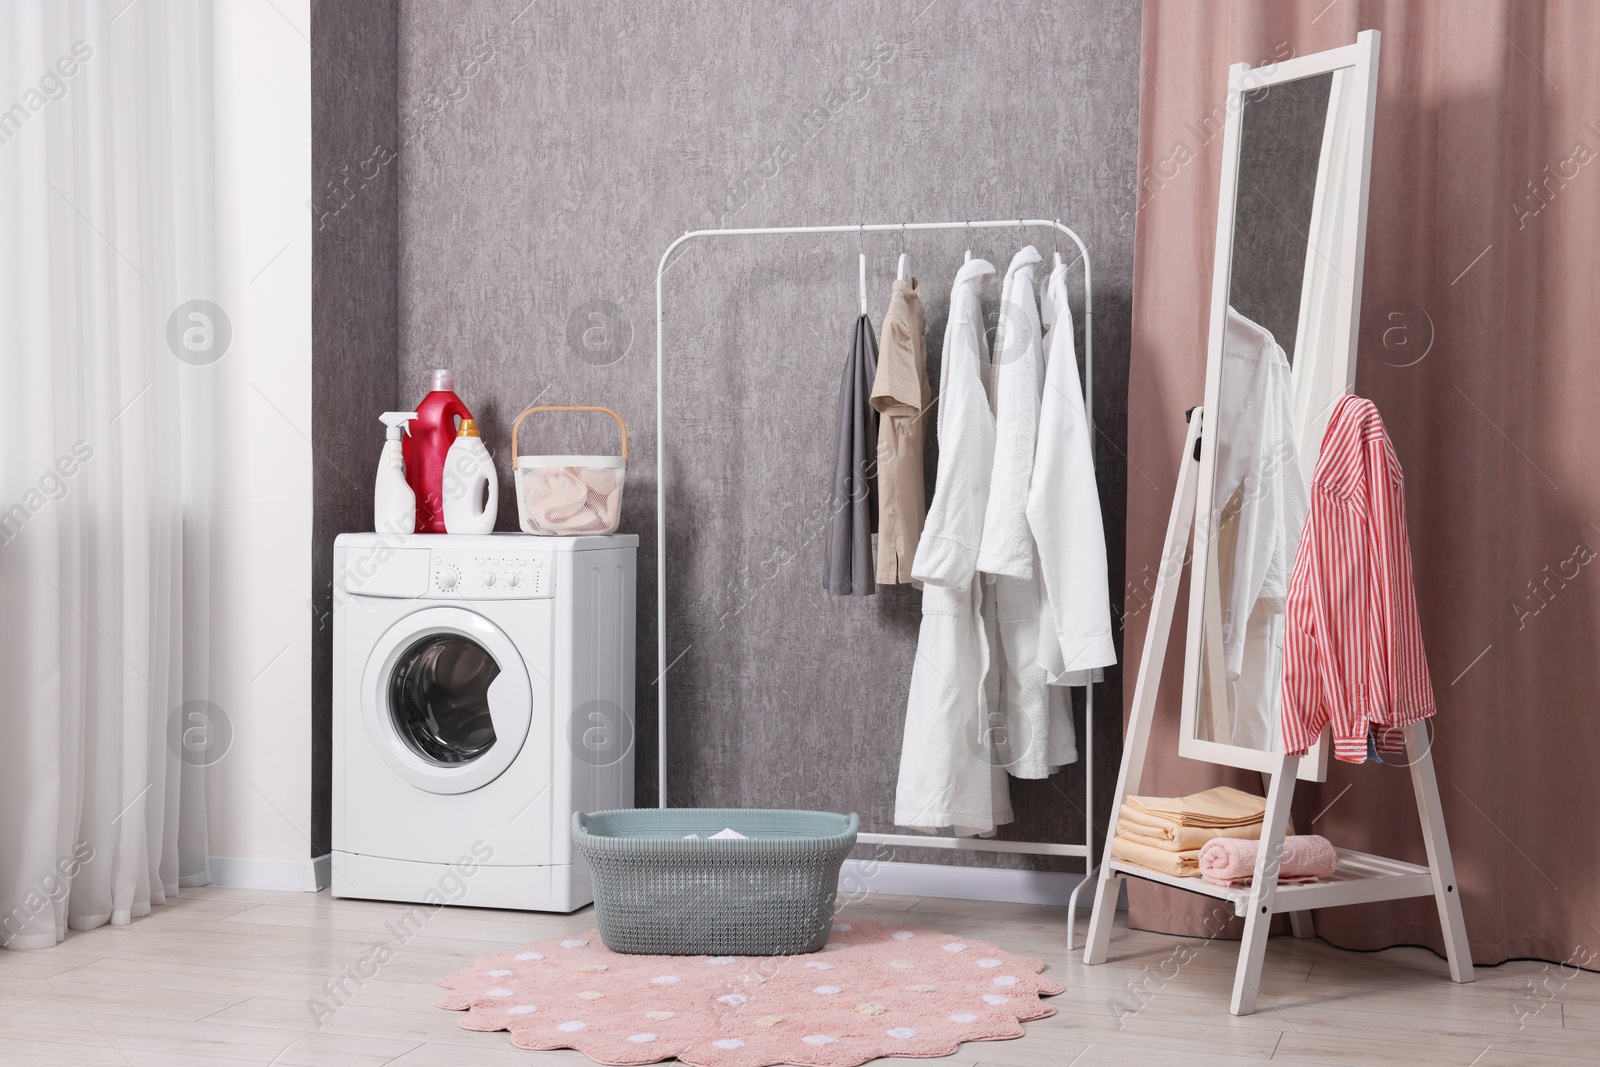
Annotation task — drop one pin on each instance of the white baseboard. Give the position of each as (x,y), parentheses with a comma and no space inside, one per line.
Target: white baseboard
(289,876)
(960,883)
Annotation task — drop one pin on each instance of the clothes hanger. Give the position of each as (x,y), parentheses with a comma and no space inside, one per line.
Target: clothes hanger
(1055,254)
(968,257)
(900,267)
(863,263)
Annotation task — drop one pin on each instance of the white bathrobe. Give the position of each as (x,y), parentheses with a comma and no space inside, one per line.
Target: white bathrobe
(1038,737)
(1257,460)
(1064,512)
(950,778)
(1258,472)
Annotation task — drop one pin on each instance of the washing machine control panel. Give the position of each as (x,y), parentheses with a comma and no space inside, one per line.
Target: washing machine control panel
(478,575)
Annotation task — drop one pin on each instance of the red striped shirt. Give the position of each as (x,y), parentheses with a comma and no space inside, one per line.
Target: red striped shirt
(1352,646)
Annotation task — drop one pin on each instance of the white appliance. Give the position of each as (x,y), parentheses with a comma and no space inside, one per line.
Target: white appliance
(483,692)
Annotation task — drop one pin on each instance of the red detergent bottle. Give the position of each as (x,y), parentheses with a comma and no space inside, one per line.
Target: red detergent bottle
(433,431)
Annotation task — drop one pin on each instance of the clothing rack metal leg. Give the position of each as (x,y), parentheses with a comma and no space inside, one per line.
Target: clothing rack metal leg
(1036,848)
(1360,878)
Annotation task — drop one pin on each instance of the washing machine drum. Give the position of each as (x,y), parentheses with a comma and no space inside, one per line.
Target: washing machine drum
(447,700)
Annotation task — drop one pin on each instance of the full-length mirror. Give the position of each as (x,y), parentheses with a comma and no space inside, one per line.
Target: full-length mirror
(1290,231)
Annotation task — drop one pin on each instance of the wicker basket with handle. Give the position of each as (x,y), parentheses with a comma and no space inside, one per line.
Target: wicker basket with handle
(569,495)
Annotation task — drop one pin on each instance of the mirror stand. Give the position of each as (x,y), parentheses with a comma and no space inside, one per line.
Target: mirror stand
(1360,878)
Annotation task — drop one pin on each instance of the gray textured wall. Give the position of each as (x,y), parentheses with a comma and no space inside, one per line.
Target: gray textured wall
(556,148)
(354,310)
(1280,146)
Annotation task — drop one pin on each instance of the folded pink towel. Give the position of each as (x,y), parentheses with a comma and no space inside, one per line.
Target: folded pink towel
(1231,861)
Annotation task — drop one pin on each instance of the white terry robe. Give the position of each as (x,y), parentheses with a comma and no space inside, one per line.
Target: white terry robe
(1064,512)
(949,776)
(1256,458)
(1034,725)
(1258,470)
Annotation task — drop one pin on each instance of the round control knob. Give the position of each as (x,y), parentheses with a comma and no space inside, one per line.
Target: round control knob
(513,579)
(448,579)
(488,577)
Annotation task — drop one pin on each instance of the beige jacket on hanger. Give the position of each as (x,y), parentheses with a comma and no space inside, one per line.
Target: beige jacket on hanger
(901,394)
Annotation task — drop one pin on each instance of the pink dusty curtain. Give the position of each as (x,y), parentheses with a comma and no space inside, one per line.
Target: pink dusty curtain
(1480,344)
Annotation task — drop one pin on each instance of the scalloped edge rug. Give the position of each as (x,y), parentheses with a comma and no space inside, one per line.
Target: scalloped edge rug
(873,991)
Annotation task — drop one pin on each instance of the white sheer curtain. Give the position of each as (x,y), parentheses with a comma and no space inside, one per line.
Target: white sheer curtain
(105,481)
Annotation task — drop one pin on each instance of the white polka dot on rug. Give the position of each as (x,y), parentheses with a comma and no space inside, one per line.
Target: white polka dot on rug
(665,979)
(572,1026)
(902,1032)
(995,999)
(902,935)
(963,1017)
(733,1000)
(530,955)
(989,962)
(574,942)
(826,990)
(818,965)
(501,973)
(521,1009)
(1006,980)
(842,928)
(641,1039)
(660,1016)
(720,960)
(818,1040)
(729,1043)
(499,992)
(955,946)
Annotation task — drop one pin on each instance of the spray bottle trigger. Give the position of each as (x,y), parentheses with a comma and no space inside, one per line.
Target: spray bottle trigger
(395,420)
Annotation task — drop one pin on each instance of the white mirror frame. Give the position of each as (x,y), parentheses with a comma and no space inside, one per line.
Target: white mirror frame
(1359,62)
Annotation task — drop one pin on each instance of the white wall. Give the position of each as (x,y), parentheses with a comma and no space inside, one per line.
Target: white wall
(260,793)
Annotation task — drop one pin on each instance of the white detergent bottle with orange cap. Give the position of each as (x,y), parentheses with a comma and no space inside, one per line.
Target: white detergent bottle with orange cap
(470,487)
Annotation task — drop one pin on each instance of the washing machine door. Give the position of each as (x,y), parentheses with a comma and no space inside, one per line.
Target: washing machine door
(446,700)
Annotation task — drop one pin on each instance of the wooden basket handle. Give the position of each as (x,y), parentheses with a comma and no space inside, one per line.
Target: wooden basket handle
(621,427)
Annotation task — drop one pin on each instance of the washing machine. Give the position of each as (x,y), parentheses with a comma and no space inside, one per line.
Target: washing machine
(483,692)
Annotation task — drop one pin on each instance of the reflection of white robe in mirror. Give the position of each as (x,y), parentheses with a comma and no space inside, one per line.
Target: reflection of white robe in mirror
(1262,503)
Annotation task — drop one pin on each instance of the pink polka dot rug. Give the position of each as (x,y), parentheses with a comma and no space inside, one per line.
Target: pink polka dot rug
(873,991)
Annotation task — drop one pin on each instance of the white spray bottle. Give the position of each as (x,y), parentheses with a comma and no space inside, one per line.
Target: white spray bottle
(471,488)
(394,505)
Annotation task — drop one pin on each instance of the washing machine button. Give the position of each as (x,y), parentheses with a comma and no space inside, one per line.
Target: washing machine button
(448,578)
(513,579)
(488,577)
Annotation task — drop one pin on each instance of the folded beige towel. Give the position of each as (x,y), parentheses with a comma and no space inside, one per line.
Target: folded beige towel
(1218,807)
(1178,864)
(1174,838)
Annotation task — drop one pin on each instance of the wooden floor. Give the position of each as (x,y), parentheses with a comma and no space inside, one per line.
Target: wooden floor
(222,977)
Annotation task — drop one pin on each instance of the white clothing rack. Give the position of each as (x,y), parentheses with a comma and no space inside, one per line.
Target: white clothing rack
(1033,848)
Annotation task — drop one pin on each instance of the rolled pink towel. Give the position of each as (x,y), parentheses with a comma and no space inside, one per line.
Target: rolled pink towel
(1231,861)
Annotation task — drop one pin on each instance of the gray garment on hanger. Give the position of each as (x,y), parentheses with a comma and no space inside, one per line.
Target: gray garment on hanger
(847,567)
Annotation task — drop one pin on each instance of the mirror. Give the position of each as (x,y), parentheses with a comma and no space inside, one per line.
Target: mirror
(1291,227)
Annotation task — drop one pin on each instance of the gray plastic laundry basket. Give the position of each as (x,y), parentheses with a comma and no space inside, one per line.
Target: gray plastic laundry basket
(656,893)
